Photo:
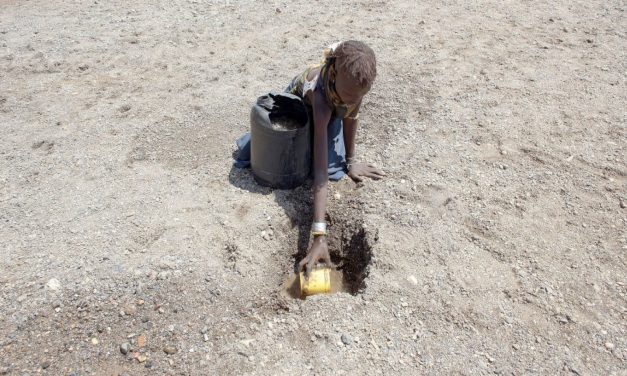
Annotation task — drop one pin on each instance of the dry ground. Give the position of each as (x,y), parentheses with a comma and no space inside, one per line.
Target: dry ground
(496,245)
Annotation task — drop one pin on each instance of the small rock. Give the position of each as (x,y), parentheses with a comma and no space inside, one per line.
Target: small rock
(148,364)
(141,341)
(94,341)
(205,337)
(53,284)
(4,370)
(346,339)
(142,358)
(130,310)
(45,364)
(125,348)
(266,235)
(413,280)
(56,304)
(124,108)
(170,350)
(609,345)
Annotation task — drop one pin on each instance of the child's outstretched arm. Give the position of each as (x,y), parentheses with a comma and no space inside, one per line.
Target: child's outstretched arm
(357,171)
(321,116)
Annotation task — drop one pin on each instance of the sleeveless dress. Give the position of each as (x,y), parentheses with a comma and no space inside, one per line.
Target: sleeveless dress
(324,81)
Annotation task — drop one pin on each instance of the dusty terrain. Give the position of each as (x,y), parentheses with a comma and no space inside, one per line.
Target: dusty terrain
(496,244)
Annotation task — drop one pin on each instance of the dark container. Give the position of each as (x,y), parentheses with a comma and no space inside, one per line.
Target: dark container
(280,141)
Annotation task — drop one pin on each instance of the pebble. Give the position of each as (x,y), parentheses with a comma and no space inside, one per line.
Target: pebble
(267,235)
(56,304)
(609,345)
(142,358)
(53,284)
(413,280)
(94,341)
(45,364)
(125,348)
(4,370)
(170,350)
(148,364)
(346,339)
(130,310)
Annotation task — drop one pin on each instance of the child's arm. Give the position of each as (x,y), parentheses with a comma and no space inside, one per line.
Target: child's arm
(321,116)
(357,171)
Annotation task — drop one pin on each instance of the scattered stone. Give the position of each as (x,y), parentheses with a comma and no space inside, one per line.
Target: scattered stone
(124,108)
(346,339)
(53,284)
(141,341)
(45,364)
(142,358)
(205,337)
(170,350)
(4,370)
(609,345)
(94,341)
(125,348)
(56,304)
(413,280)
(130,309)
(267,235)
(148,364)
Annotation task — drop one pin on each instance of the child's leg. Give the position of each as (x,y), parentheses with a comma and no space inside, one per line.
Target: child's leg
(337,151)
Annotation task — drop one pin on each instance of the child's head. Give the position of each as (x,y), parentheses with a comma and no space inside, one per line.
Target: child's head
(356,69)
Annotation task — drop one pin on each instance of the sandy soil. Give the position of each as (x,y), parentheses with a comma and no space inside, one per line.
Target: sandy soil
(496,245)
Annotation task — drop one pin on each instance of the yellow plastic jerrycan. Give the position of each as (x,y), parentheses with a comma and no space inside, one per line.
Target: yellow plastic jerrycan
(319,282)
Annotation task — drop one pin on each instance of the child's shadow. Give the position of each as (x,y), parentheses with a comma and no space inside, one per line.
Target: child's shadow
(297,204)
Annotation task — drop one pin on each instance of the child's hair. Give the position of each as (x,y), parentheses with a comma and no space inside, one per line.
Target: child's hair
(358,60)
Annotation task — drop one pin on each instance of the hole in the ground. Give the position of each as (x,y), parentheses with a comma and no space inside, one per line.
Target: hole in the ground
(350,242)
(350,245)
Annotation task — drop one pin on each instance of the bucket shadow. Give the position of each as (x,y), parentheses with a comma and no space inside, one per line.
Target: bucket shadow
(297,204)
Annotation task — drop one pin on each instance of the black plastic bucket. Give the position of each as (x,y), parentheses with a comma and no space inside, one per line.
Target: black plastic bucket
(280,141)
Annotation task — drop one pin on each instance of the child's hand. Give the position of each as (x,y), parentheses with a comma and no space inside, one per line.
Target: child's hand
(359,171)
(319,251)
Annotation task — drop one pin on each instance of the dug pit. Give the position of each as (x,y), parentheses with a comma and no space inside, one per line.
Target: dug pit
(350,242)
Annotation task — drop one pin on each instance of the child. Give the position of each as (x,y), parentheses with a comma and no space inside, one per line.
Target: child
(333,91)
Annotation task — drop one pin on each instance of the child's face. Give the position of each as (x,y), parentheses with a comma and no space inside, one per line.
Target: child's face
(348,88)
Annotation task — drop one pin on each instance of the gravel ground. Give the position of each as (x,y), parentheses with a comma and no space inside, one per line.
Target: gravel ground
(496,245)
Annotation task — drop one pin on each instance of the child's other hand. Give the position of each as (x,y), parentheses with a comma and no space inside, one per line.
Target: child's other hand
(319,251)
(359,171)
